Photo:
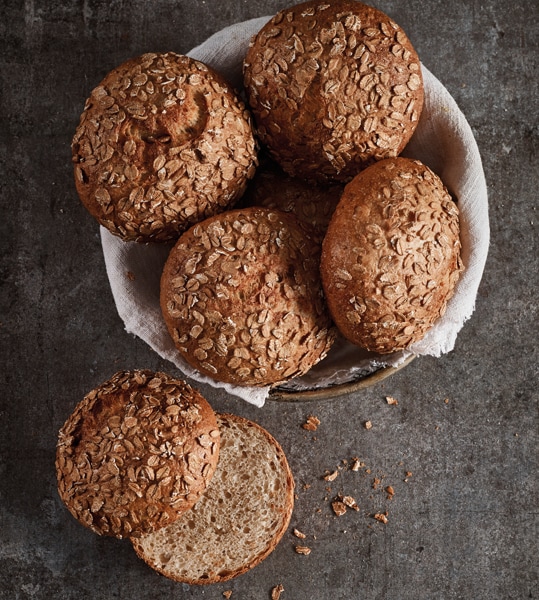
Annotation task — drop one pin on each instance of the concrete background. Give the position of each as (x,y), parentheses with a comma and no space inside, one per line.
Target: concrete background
(464,524)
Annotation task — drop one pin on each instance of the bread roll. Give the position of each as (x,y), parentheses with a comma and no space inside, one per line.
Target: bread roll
(135,453)
(239,520)
(163,142)
(333,85)
(312,204)
(242,298)
(391,255)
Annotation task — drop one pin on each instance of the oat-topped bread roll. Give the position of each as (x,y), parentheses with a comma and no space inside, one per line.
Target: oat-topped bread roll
(391,255)
(163,142)
(242,298)
(136,452)
(240,519)
(311,203)
(333,86)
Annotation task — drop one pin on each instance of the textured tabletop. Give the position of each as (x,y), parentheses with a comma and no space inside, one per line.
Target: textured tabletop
(441,458)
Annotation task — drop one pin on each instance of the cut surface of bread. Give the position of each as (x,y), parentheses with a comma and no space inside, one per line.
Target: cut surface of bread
(239,520)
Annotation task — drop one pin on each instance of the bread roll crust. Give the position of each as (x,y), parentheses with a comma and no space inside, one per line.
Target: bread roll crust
(240,519)
(333,85)
(163,142)
(135,453)
(242,298)
(391,255)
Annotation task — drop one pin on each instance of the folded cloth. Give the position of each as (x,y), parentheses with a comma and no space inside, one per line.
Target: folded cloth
(443,140)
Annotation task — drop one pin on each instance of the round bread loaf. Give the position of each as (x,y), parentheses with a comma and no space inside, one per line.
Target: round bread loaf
(391,255)
(240,519)
(310,203)
(163,142)
(333,85)
(136,452)
(242,298)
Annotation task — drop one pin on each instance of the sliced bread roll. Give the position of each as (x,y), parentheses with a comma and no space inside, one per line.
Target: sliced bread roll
(239,520)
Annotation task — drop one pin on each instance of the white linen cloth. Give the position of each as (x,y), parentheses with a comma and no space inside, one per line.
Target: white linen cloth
(443,140)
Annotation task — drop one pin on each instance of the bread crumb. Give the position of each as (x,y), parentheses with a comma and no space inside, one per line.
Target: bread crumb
(299,534)
(331,476)
(312,423)
(227,594)
(357,464)
(392,401)
(390,492)
(303,550)
(446,400)
(408,474)
(339,508)
(376,482)
(367,425)
(382,517)
(350,502)
(276,592)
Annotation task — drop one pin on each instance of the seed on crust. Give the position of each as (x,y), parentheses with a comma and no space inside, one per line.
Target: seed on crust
(162,143)
(259,310)
(333,87)
(133,455)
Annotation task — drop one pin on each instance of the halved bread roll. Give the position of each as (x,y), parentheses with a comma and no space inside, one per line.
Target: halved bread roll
(240,519)
(136,452)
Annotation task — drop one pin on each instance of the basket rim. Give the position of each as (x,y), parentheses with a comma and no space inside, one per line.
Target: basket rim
(338,390)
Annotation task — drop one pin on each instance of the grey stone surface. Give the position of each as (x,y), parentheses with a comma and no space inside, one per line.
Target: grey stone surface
(464,524)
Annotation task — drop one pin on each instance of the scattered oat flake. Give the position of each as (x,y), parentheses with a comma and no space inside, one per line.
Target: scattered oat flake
(331,476)
(339,508)
(303,550)
(299,534)
(367,425)
(276,592)
(227,594)
(312,423)
(391,400)
(356,464)
(382,517)
(390,492)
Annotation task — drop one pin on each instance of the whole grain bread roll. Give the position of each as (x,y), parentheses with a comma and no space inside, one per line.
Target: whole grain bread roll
(136,452)
(242,298)
(333,85)
(163,142)
(312,204)
(391,255)
(241,517)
